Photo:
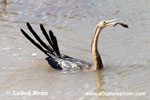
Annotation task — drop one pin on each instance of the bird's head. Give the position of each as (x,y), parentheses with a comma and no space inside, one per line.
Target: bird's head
(113,22)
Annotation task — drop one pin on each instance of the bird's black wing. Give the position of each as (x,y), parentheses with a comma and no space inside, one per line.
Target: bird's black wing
(54,63)
(51,50)
(51,39)
(32,41)
(54,41)
(38,38)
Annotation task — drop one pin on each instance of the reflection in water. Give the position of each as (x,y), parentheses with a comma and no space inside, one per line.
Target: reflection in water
(126,53)
(5,1)
(99,84)
(4,5)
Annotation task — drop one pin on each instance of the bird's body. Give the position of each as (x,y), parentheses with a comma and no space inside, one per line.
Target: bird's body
(63,62)
(69,64)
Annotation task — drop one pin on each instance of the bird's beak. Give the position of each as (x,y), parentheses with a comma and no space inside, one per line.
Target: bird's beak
(114,22)
(111,22)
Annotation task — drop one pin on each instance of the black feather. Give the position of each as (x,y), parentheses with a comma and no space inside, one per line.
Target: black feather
(54,64)
(54,41)
(38,38)
(32,41)
(45,34)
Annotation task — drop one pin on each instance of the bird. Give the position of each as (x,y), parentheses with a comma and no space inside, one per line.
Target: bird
(63,62)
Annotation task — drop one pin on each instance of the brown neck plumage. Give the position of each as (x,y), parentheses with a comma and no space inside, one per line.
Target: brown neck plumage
(98,64)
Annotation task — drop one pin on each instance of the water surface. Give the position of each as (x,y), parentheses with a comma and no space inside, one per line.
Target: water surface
(125,52)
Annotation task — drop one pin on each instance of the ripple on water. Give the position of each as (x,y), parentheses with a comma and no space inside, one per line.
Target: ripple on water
(125,52)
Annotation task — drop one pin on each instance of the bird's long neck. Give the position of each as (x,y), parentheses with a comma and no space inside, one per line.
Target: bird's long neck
(98,64)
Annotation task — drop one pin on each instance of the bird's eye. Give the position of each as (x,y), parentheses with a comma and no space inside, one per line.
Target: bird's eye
(104,22)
